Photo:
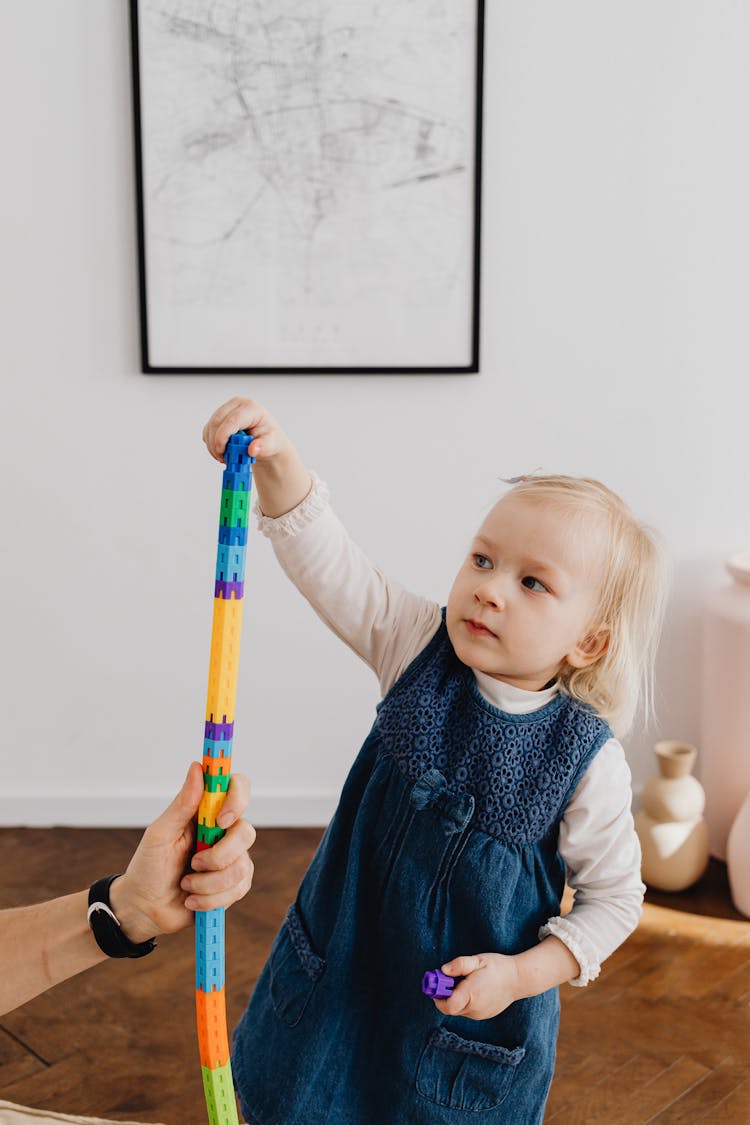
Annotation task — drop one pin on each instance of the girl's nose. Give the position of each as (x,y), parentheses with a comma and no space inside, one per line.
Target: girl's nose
(488,594)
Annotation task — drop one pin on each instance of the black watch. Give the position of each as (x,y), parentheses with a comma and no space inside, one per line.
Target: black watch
(105,926)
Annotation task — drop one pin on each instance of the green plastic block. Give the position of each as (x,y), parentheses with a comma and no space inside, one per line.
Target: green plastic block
(216,782)
(209,836)
(219,1090)
(234,508)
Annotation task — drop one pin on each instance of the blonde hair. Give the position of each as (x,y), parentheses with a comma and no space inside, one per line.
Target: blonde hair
(635,576)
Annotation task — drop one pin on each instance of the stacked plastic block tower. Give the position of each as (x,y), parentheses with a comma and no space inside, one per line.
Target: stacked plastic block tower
(217,765)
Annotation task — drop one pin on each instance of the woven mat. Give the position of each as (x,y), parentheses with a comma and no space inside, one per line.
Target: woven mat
(11,1114)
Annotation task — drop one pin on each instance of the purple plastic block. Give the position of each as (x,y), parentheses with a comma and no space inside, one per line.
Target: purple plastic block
(437,984)
(226,589)
(218,731)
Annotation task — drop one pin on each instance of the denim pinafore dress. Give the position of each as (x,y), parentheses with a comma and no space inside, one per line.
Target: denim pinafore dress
(444,843)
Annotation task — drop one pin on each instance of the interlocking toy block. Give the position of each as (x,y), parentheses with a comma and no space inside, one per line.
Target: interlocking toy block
(208,834)
(213,748)
(220,1100)
(229,590)
(210,807)
(234,508)
(230,563)
(233,535)
(218,731)
(213,1041)
(216,767)
(237,454)
(209,950)
(237,482)
(216,782)
(225,657)
(436,984)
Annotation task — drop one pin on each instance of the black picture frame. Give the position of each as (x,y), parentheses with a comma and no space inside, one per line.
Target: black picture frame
(179,324)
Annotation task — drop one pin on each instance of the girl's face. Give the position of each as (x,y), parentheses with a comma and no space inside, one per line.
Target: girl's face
(522,604)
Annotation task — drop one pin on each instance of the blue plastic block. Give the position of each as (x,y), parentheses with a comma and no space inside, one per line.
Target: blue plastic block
(209,950)
(238,482)
(230,563)
(232,535)
(213,748)
(236,453)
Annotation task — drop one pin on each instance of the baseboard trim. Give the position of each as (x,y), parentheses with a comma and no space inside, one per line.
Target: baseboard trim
(268,809)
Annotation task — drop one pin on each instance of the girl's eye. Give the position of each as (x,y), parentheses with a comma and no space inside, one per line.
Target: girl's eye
(482,562)
(533,583)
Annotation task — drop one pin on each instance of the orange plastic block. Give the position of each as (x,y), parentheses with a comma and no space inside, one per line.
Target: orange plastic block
(217,767)
(213,1042)
(225,659)
(210,807)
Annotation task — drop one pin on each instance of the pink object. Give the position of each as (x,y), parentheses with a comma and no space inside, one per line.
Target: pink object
(738,859)
(724,763)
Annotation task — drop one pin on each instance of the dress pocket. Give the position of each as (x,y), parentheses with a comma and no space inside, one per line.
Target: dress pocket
(464,1073)
(295,969)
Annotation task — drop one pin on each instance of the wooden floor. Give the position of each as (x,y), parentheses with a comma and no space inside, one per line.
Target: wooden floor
(663,1035)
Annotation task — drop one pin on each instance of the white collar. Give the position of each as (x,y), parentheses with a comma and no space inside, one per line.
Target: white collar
(513,700)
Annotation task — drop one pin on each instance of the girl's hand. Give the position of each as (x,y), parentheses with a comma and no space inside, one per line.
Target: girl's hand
(155,895)
(244,414)
(490,985)
(282,481)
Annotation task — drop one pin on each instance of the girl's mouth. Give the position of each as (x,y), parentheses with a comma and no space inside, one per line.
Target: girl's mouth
(477,629)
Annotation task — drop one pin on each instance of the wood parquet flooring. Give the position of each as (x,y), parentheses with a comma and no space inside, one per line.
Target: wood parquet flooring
(663,1036)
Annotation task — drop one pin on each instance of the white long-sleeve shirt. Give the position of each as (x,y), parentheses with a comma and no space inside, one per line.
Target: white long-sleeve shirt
(387,626)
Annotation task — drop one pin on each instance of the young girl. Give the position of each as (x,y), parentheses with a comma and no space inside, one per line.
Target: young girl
(491,768)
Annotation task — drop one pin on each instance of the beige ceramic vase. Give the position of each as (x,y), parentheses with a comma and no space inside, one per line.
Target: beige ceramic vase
(670,825)
(738,859)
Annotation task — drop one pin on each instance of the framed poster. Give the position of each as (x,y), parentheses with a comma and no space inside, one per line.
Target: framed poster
(308,184)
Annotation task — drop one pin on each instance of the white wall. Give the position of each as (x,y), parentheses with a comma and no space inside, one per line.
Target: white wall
(615,343)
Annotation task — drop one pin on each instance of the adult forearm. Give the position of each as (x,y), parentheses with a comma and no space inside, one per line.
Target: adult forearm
(43,945)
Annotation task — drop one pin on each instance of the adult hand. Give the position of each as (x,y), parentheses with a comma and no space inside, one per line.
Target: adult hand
(156,895)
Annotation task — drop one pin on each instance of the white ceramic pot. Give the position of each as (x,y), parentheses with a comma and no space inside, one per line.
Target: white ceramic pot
(670,825)
(725,703)
(738,859)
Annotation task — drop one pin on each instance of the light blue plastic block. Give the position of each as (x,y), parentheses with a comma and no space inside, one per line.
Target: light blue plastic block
(230,563)
(209,950)
(216,748)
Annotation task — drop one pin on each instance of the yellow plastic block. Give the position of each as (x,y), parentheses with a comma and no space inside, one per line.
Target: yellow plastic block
(213,1042)
(210,807)
(225,659)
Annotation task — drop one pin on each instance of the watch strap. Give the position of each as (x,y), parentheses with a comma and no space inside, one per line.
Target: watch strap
(105,925)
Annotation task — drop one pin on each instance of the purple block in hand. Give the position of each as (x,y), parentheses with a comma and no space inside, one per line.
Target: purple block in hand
(437,984)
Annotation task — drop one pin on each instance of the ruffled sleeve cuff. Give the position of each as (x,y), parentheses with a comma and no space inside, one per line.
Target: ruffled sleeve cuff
(579,945)
(291,523)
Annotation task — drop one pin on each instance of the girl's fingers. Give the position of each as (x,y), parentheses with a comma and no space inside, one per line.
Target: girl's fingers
(214,423)
(462,966)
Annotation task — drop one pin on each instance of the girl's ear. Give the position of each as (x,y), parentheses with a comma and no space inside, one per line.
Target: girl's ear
(590,648)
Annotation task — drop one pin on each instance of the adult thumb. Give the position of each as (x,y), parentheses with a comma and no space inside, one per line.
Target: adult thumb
(183,808)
